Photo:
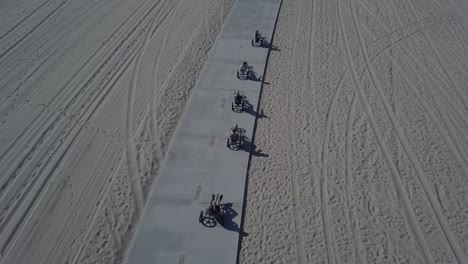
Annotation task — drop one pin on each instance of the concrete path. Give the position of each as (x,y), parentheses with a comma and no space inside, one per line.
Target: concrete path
(198,162)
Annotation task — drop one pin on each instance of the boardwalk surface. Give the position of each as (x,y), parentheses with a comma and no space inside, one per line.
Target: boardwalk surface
(198,162)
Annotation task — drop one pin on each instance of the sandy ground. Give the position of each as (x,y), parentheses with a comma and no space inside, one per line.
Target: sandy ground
(361,155)
(90,94)
(362,152)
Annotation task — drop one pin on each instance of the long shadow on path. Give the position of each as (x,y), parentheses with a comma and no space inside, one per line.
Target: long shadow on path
(229,215)
(249,109)
(248,146)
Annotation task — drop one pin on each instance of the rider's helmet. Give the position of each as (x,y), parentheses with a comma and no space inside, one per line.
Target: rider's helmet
(256,32)
(244,63)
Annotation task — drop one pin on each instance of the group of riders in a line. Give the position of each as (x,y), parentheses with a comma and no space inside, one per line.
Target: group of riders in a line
(214,209)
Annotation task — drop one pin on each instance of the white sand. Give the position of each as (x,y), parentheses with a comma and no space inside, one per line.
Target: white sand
(363,156)
(90,94)
(364,151)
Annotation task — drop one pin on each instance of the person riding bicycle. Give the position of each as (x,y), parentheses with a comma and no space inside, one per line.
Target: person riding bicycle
(238,97)
(257,36)
(215,201)
(233,131)
(244,67)
(212,203)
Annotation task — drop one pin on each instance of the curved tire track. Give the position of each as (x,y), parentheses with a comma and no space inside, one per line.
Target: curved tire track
(394,172)
(406,146)
(298,225)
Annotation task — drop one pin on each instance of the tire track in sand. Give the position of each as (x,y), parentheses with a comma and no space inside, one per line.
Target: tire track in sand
(44,136)
(394,172)
(134,178)
(26,35)
(352,214)
(449,138)
(440,60)
(409,57)
(298,224)
(155,130)
(134,54)
(131,146)
(150,32)
(67,98)
(326,218)
(158,90)
(40,189)
(19,198)
(436,207)
(17,85)
(22,20)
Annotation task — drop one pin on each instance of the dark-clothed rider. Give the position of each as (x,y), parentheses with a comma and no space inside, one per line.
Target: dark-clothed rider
(257,36)
(237,97)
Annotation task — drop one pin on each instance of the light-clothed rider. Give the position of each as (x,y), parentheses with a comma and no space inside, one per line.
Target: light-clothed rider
(212,203)
(215,202)
(244,67)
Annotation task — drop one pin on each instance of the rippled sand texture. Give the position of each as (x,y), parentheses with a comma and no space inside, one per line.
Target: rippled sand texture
(90,94)
(362,155)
